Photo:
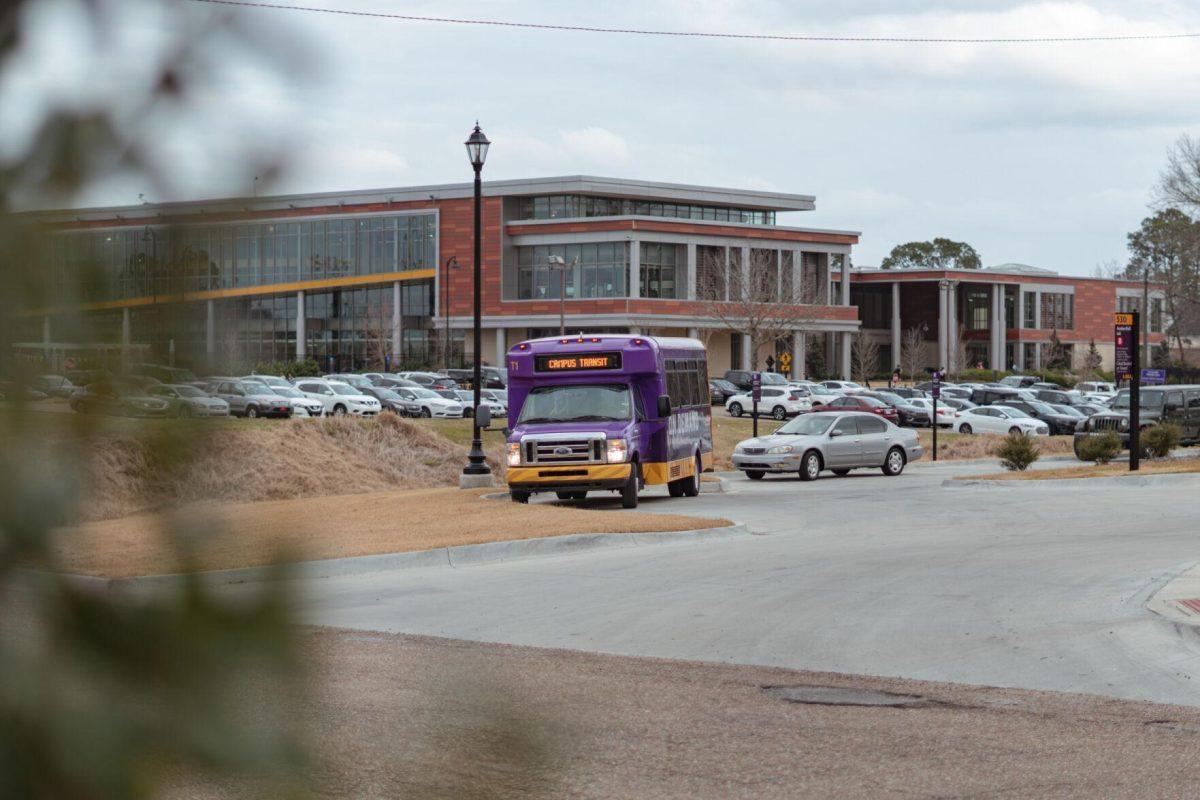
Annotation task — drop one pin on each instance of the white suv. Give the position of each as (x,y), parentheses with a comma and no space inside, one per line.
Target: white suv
(779,402)
(338,398)
(431,403)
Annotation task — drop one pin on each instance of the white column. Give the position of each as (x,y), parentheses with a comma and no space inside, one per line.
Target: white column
(997,348)
(301,333)
(1019,322)
(1037,356)
(847,344)
(846,281)
(501,348)
(693,333)
(747,360)
(397,318)
(943,305)
(690,291)
(799,355)
(635,268)
(744,275)
(1037,314)
(799,290)
(45,336)
(952,327)
(210,329)
(897,336)
(830,353)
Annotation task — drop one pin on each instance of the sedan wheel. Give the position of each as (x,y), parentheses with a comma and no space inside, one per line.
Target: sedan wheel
(810,466)
(425,412)
(894,464)
(735,409)
(1014,429)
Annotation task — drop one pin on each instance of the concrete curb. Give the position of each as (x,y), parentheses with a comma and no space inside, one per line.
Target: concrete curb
(445,557)
(1184,586)
(1057,483)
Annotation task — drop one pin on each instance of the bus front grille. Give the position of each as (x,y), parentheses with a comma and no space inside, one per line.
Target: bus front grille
(565,451)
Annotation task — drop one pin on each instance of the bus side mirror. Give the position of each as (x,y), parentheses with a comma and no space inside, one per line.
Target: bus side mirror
(483,416)
(664,406)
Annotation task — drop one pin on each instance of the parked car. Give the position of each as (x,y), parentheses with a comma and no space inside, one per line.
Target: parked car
(338,398)
(741,379)
(865,404)
(986,395)
(1045,385)
(997,419)
(1057,421)
(430,380)
(12,390)
(1019,381)
(82,377)
(357,381)
(827,440)
(188,401)
(388,400)
(302,405)
(945,411)
(959,392)
(53,385)
(956,403)
(1099,388)
(380,378)
(467,398)
(1055,396)
(1179,405)
(907,413)
(821,395)
(431,404)
(250,399)
(491,377)
(907,392)
(720,390)
(119,398)
(499,395)
(779,402)
(845,387)
(274,381)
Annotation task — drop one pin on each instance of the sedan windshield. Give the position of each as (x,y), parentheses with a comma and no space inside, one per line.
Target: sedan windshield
(427,394)
(587,403)
(806,425)
(1149,400)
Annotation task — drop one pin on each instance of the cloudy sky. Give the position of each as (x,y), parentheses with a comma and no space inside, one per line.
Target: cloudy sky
(1044,154)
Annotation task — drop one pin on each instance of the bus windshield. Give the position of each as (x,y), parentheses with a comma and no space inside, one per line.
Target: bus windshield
(585,403)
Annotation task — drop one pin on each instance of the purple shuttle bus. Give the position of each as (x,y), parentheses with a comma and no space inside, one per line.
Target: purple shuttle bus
(607,412)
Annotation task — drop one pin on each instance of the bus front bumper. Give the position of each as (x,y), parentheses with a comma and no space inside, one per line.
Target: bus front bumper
(568,478)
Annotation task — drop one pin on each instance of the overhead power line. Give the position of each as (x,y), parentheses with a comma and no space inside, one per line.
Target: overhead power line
(709,35)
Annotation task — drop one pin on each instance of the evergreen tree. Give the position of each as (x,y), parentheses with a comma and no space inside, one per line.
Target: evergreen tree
(1058,357)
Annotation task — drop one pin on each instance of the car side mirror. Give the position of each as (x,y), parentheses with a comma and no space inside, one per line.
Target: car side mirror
(833,433)
(483,416)
(664,406)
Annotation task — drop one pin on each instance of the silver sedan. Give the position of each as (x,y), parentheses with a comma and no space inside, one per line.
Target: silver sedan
(830,441)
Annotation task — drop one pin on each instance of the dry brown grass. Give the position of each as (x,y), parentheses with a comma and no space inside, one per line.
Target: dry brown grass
(1164,467)
(230,536)
(269,460)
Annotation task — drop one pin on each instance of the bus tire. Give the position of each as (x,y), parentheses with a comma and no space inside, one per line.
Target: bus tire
(629,492)
(675,487)
(691,486)
(518,497)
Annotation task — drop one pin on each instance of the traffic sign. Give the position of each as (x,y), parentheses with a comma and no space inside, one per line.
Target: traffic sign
(1125,341)
(1153,377)
(756,386)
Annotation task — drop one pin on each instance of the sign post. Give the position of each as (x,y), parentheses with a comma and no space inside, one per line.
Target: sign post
(935,392)
(1128,363)
(755,396)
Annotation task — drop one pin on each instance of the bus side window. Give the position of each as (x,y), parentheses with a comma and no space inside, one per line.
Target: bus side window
(638,408)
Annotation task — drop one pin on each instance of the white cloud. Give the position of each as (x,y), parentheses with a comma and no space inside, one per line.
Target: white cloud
(598,146)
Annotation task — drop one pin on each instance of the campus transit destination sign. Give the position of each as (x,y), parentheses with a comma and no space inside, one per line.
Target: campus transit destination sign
(1124,336)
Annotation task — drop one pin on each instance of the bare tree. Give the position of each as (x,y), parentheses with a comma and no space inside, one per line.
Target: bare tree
(960,350)
(865,355)
(763,301)
(377,328)
(914,350)
(1179,183)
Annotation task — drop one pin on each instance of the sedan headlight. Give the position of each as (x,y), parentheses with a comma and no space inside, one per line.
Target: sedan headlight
(779,449)
(618,451)
(514,454)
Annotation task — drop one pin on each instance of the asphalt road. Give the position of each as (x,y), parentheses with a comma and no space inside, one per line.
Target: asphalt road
(1029,585)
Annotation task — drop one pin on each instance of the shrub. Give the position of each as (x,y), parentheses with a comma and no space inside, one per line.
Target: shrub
(1017,451)
(1101,448)
(1159,440)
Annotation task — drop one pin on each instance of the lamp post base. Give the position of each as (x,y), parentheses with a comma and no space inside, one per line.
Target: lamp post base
(475,481)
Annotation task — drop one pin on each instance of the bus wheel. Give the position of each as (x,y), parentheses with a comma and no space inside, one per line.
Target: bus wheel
(629,492)
(519,497)
(691,487)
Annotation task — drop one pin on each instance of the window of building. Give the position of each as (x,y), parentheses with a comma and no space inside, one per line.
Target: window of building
(735,351)
(1156,315)
(977,302)
(1030,319)
(600,270)
(1058,311)
(577,206)
(710,273)
(659,264)
(874,305)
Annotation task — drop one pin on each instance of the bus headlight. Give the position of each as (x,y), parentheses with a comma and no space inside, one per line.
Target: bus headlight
(514,454)
(618,451)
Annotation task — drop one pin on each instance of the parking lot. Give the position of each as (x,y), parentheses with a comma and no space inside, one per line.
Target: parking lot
(1018,586)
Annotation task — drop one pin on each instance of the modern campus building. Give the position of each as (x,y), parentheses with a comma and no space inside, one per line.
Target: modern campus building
(383,279)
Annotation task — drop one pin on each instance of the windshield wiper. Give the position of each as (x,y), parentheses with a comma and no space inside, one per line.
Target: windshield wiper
(535,420)
(594,418)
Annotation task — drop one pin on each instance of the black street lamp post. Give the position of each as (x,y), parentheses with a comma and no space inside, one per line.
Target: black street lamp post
(477,147)
(451,263)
